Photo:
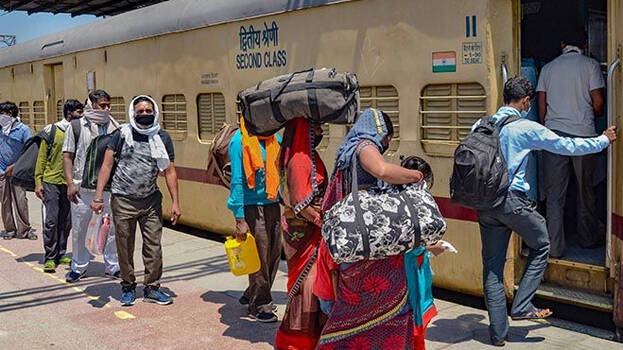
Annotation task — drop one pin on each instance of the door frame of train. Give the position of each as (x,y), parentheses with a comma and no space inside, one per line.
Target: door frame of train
(614,243)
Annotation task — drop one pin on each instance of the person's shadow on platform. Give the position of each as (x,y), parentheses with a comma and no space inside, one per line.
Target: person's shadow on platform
(236,317)
(470,327)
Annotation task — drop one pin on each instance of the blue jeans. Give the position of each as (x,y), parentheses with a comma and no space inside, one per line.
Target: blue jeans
(518,213)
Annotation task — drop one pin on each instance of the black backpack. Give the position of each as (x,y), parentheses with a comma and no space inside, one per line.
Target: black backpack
(24,170)
(480,175)
(95,158)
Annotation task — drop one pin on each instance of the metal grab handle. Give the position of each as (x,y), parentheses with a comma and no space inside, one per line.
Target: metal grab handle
(610,122)
(504,73)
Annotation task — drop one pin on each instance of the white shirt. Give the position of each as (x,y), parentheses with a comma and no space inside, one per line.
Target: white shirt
(568,81)
(87,134)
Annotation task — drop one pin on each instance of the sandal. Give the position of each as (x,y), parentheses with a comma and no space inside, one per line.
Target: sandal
(29,235)
(535,314)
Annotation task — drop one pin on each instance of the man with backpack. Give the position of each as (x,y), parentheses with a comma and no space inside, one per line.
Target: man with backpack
(13,137)
(51,188)
(141,150)
(78,136)
(498,147)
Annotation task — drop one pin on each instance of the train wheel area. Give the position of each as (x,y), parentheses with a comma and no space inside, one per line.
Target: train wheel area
(41,311)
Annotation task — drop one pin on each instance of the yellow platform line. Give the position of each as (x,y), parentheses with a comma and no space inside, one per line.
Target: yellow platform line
(124,315)
(8,251)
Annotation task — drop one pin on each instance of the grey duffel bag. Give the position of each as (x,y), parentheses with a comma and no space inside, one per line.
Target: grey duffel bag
(321,96)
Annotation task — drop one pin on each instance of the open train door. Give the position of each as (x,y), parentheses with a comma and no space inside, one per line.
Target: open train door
(615,159)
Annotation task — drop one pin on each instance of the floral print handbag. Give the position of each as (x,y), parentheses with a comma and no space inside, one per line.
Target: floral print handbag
(381,222)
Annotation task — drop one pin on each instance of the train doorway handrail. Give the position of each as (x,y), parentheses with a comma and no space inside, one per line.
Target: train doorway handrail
(610,116)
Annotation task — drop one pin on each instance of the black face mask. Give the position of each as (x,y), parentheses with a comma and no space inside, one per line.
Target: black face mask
(317,140)
(145,120)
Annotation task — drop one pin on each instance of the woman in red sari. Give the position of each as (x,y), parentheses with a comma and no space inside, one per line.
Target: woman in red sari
(305,183)
(369,302)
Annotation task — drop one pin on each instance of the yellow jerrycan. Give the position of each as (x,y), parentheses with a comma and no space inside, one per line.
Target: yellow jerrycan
(242,256)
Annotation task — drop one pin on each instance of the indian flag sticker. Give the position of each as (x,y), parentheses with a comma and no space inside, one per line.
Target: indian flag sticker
(444,62)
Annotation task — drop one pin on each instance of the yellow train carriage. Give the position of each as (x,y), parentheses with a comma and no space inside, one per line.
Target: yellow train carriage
(433,66)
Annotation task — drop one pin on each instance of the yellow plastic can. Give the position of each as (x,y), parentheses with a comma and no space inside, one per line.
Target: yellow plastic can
(242,256)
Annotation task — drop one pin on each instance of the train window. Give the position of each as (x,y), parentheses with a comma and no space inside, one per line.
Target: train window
(38,115)
(210,114)
(117,109)
(59,110)
(448,112)
(24,112)
(386,99)
(174,115)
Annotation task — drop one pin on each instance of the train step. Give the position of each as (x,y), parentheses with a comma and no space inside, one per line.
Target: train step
(599,302)
(574,275)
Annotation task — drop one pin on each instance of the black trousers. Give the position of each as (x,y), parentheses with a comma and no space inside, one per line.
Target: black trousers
(56,221)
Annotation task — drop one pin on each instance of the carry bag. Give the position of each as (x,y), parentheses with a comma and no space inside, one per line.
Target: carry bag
(322,96)
(98,233)
(219,165)
(376,224)
(24,170)
(95,158)
(480,173)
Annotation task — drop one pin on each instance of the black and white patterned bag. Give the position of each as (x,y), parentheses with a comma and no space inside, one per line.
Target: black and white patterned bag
(376,224)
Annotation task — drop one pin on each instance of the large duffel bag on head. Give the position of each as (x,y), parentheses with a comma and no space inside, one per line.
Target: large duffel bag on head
(321,95)
(376,224)
(219,165)
(24,170)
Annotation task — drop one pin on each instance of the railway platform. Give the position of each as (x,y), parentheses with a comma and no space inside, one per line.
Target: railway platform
(41,311)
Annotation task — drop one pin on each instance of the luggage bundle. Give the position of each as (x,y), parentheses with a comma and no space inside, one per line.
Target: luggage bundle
(24,170)
(376,224)
(219,165)
(321,95)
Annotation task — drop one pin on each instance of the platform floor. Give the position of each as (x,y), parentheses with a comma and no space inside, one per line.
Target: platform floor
(41,311)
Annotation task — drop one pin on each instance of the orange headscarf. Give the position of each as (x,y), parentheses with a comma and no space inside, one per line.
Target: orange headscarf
(252,160)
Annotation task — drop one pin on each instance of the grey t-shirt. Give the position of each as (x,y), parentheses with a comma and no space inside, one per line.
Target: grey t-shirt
(137,172)
(568,81)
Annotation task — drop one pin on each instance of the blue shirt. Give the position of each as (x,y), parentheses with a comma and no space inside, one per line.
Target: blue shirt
(11,145)
(240,194)
(517,139)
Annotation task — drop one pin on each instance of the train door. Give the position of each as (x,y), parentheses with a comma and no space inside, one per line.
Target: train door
(580,273)
(54,91)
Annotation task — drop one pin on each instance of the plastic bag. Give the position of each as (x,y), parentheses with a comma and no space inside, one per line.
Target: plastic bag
(97,233)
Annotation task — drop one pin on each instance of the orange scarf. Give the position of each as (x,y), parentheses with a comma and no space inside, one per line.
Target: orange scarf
(252,160)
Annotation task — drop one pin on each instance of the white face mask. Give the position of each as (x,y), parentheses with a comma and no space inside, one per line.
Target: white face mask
(5,123)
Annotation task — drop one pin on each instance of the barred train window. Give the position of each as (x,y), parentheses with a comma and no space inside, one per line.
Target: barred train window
(386,99)
(449,110)
(24,112)
(210,114)
(117,109)
(59,110)
(38,115)
(174,115)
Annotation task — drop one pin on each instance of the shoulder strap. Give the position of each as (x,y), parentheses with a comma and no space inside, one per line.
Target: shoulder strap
(50,141)
(508,120)
(359,221)
(76,128)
